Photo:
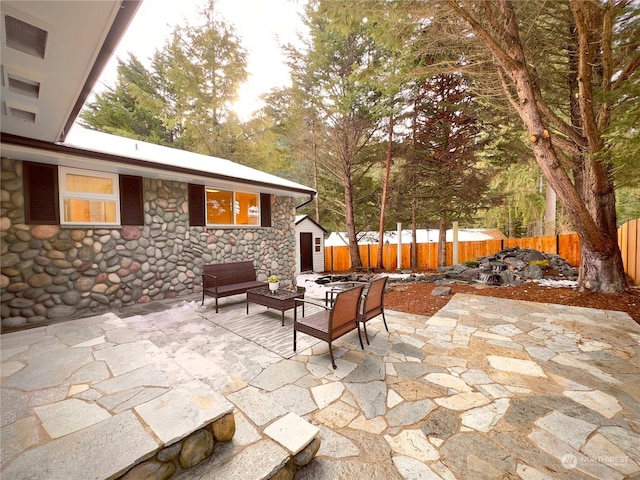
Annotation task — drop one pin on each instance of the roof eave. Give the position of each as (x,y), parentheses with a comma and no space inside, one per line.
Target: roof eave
(63,150)
(127,11)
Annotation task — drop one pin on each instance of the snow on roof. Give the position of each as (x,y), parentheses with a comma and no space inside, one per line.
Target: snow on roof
(160,156)
(422,236)
(300,218)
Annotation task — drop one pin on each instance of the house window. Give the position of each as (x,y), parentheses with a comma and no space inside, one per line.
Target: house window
(317,246)
(210,206)
(232,208)
(88,197)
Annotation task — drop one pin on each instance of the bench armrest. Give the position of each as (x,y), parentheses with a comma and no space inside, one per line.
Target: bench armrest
(209,280)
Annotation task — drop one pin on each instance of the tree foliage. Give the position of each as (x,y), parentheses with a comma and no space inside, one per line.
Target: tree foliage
(568,137)
(184,98)
(133,108)
(205,65)
(441,154)
(336,109)
(555,82)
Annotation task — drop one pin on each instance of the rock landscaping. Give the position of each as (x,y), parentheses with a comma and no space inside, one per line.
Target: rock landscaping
(511,266)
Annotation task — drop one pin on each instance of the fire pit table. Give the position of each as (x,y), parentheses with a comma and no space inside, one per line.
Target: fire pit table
(282,299)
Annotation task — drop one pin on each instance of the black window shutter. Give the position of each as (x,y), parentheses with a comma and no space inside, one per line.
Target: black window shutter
(131,200)
(196,205)
(265,209)
(41,201)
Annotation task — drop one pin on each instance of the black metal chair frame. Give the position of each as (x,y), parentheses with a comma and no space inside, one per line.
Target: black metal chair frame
(372,305)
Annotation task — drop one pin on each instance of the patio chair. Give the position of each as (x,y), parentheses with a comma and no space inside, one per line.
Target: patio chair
(332,321)
(372,305)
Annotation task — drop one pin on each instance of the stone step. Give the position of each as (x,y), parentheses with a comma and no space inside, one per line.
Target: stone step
(260,460)
(287,443)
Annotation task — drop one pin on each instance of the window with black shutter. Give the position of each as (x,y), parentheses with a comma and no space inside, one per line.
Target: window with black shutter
(131,200)
(41,194)
(196,205)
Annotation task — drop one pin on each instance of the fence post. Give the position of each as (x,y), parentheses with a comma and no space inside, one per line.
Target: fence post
(454,253)
(399,252)
(332,257)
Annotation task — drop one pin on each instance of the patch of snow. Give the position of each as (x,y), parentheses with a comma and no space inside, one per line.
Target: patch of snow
(547,282)
(337,239)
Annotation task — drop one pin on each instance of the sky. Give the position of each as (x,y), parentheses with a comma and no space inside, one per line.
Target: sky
(262,25)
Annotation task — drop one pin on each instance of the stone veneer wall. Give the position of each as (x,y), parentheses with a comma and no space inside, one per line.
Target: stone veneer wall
(52,273)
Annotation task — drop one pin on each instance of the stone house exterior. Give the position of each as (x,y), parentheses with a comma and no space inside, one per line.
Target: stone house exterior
(91,222)
(70,252)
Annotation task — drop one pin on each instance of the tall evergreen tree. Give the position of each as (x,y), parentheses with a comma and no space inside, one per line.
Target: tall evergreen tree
(205,65)
(337,105)
(132,108)
(441,154)
(567,139)
(185,99)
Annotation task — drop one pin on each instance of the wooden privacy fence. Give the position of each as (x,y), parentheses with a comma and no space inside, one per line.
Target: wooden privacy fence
(629,241)
(337,259)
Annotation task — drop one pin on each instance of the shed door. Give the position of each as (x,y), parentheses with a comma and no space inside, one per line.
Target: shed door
(306,252)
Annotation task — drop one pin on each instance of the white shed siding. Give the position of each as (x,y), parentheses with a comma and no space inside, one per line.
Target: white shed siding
(305,225)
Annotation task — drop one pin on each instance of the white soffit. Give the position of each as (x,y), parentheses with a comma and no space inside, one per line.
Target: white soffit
(47,78)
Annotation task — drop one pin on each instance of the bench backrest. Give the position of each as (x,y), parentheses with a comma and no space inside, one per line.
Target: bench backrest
(229,273)
(344,312)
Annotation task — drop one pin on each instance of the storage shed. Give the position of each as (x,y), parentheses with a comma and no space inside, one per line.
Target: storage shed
(309,245)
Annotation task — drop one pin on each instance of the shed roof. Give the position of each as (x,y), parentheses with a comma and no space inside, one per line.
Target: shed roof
(301,218)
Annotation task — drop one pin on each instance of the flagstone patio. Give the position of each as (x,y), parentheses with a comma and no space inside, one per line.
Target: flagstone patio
(487,388)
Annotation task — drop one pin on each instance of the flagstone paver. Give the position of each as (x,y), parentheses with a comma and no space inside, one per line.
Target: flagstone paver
(292,432)
(486,388)
(601,402)
(516,365)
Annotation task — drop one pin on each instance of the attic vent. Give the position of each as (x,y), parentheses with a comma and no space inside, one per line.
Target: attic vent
(20,114)
(23,86)
(25,37)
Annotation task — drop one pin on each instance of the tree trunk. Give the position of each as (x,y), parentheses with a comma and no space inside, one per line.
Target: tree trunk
(512,227)
(414,229)
(385,186)
(591,209)
(315,180)
(442,243)
(356,261)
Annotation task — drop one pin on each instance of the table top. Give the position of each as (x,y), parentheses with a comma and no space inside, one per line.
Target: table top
(281,293)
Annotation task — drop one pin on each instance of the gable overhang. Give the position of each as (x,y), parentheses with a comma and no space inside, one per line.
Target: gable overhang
(53,52)
(304,218)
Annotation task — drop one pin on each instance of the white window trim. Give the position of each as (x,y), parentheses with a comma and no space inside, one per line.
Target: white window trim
(234,224)
(64,194)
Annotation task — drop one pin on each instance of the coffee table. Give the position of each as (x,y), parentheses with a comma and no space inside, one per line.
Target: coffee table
(282,299)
